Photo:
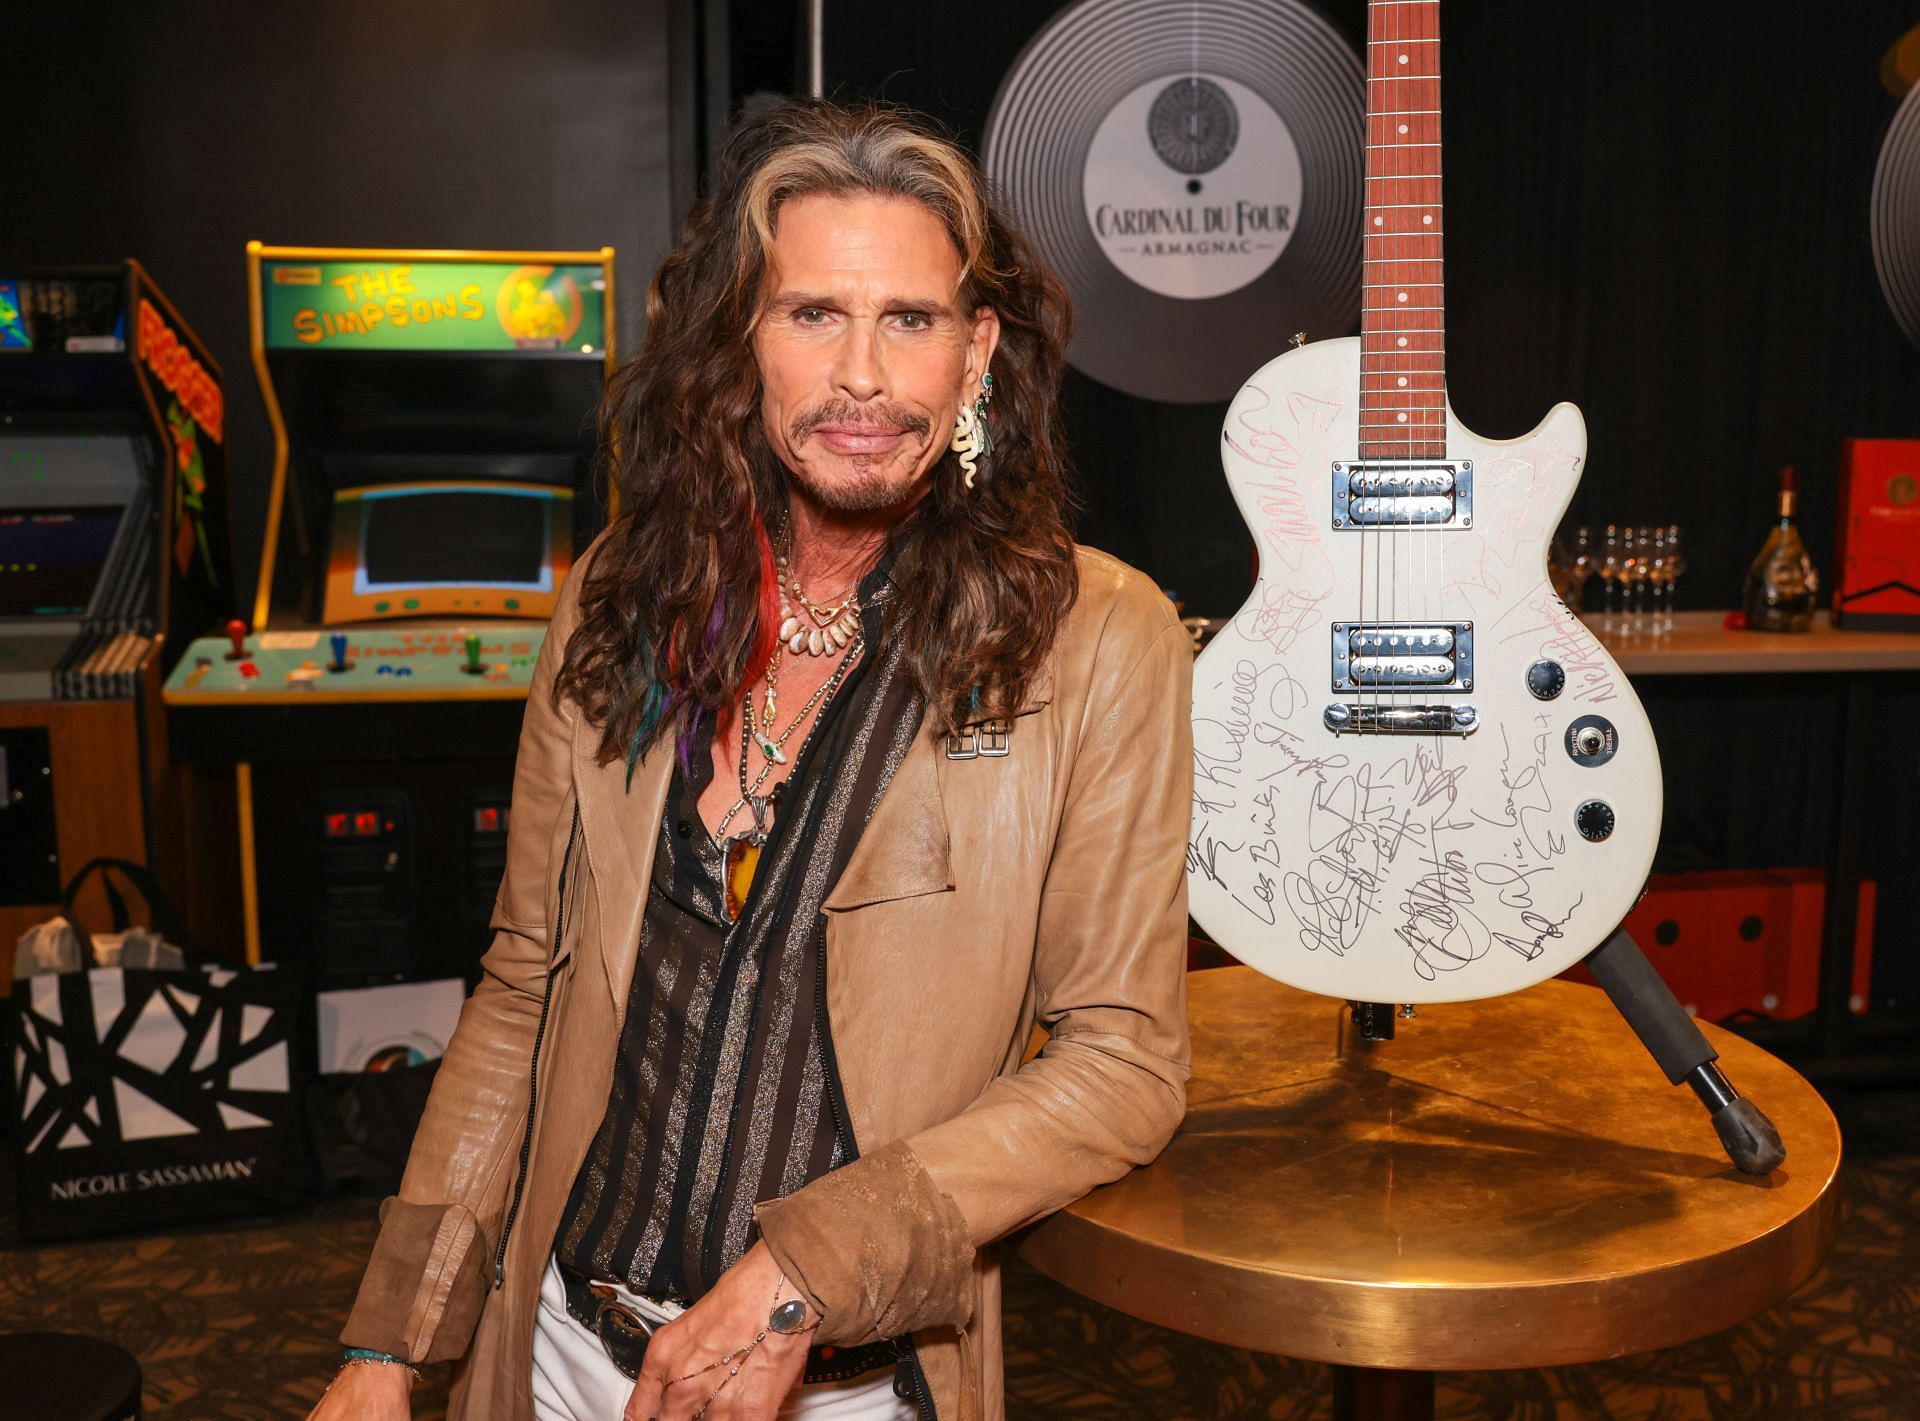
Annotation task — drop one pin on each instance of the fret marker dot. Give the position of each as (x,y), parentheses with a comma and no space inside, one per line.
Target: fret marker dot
(1403,128)
(1403,59)
(1403,296)
(1403,380)
(1379,221)
(1403,419)
(1427,220)
(1401,341)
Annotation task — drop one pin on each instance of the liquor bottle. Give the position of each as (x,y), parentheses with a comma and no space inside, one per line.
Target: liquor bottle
(1782,585)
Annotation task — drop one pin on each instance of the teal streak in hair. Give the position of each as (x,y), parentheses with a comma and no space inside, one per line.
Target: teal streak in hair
(653,707)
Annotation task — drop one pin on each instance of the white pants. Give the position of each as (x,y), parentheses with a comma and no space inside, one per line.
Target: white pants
(575,1380)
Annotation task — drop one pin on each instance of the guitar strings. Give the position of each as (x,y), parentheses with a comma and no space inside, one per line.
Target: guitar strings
(1395,164)
(1430,26)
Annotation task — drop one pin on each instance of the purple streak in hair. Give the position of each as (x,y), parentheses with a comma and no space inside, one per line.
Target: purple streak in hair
(675,695)
(683,742)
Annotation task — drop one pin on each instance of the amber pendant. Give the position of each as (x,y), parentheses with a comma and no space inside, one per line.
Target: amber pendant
(743,857)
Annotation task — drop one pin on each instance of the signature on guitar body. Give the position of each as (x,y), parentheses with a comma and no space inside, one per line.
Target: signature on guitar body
(1417,776)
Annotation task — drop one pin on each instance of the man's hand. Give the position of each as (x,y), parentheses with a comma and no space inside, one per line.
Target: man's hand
(367,1391)
(725,1320)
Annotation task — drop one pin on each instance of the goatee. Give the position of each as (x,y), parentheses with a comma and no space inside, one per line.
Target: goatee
(865,488)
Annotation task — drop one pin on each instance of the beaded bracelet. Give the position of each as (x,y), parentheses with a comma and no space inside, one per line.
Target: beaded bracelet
(384,1359)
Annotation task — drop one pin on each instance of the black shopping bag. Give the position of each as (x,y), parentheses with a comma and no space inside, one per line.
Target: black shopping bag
(147,1098)
(361,1126)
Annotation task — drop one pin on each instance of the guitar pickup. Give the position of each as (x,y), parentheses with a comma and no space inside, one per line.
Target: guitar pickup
(1403,493)
(1403,656)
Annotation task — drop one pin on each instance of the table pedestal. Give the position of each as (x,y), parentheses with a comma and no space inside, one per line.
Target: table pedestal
(1371,1394)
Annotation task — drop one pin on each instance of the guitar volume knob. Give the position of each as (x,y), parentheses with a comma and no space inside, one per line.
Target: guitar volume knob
(1594,820)
(1546,679)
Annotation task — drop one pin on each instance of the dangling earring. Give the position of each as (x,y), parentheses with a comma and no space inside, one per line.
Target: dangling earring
(972,439)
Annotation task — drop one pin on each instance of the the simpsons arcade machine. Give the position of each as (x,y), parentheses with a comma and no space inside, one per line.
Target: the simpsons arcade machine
(433,418)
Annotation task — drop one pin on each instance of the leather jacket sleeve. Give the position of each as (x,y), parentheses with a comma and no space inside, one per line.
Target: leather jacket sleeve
(886,1245)
(422,1292)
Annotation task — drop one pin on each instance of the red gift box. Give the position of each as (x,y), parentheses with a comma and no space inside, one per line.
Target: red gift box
(1877,539)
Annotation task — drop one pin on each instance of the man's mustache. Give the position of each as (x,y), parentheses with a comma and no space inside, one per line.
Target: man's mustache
(846,412)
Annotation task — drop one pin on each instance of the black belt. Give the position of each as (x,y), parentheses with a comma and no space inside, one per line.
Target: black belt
(624,1333)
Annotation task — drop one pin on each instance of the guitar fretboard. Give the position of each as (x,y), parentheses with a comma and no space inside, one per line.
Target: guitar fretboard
(1403,383)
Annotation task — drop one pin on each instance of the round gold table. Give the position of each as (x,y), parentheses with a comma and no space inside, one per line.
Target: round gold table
(1507,1183)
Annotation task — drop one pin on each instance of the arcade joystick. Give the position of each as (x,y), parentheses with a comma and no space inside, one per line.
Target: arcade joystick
(338,641)
(470,643)
(237,634)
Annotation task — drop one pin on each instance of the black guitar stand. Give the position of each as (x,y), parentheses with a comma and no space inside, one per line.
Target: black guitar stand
(1680,1050)
(1670,1036)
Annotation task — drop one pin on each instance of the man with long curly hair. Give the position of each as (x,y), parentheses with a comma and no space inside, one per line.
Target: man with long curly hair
(843,771)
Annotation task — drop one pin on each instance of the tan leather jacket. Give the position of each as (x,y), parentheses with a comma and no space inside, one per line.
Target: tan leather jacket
(985,896)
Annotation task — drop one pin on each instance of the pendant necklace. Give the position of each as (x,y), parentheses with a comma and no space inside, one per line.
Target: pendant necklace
(743,850)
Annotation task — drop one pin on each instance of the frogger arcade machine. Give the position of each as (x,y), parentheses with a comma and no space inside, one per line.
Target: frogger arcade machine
(113,552)
(434,440)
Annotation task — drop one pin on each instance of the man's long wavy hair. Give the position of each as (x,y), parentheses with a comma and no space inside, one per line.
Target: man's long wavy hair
(679,611)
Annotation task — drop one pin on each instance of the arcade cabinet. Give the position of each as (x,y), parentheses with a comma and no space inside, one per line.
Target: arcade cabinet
(114,550)
(434,433)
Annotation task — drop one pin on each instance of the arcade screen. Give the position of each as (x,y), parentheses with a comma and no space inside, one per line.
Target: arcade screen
(13,320)
(51,559)
(72,314)
(423,549)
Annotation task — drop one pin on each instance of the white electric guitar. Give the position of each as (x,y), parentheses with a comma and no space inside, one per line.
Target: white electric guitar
(1417,776)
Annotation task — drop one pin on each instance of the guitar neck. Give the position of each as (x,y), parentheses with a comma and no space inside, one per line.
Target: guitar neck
(1403,381)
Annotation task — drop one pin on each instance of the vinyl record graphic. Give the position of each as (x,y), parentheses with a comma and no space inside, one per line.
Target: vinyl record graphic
(1193,172)
(1896,216)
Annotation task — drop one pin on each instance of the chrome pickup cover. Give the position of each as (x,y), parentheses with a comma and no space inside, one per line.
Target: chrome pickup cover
(1400,638)
(1401,670)
(1427,656)
(1404,493)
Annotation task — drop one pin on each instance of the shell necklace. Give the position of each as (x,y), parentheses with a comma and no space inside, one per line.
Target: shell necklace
(824,631)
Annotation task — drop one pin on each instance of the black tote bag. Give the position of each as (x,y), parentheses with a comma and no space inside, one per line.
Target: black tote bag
(147,1098)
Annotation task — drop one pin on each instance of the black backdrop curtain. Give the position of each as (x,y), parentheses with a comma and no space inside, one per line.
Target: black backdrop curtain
(1657,211)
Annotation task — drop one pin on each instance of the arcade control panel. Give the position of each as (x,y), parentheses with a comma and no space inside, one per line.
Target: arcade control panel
(383,690)
(422,663)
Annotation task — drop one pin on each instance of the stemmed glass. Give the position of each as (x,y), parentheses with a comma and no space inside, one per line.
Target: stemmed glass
(1612,561)
(1676,563)
(1657,578)
(1639,571)
(1583,563)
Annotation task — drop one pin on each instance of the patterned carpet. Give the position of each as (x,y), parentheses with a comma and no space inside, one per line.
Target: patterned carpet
(237,1323)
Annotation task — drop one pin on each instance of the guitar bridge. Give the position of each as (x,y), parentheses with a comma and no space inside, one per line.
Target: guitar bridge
(1403,493)
(1403,656)
(1400,720)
